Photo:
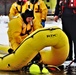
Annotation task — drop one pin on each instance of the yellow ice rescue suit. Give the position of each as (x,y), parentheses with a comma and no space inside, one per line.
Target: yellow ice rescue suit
(15,10)
(40,9)
(18,30)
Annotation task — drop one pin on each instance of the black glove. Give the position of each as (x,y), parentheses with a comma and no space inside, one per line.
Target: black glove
(10,51)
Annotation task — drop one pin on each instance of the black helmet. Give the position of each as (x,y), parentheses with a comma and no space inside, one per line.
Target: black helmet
(20,2)
(33,1)
(27,13)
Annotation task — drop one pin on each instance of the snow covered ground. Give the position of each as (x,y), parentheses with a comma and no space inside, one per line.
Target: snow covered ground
(3,30)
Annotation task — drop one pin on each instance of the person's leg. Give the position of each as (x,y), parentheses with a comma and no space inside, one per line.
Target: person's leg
(75,51)
(70,44)
(66,21)
(73,34)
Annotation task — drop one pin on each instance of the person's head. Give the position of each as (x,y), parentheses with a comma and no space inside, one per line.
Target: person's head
(28,16)
(33,1)
(21,2)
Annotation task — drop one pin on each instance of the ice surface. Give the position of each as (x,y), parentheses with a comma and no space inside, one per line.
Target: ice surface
(3,30)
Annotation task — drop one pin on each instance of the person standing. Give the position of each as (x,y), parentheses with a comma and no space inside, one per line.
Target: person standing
(40,10)
(17,7)
(67,10)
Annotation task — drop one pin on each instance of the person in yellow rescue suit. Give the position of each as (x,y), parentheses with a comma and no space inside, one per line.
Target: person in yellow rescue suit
(17,8)
(40,10)
(20,27)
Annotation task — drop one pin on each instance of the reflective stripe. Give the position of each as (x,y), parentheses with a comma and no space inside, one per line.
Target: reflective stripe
(38,3)
(72,0)
(28,2)
(71,3)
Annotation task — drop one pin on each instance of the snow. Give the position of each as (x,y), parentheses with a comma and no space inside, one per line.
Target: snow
(51,23)
(3,30)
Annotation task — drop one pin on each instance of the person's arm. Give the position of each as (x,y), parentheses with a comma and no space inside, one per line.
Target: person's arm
(14,30)
(12,11)
(44,12)
(56,14)
(37,24)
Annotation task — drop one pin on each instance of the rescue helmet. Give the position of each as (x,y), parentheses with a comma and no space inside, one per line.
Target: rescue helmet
(33,1)
(27,13)
(21,2)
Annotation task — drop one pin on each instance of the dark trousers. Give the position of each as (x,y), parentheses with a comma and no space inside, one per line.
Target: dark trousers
(69,27)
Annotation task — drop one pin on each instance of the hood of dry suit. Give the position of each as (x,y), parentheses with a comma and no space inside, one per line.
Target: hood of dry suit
(33,1)
(27,13)
(21,2)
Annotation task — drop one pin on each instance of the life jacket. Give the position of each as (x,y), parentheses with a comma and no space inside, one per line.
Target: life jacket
(68,3)
(33,6)
(72,3)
